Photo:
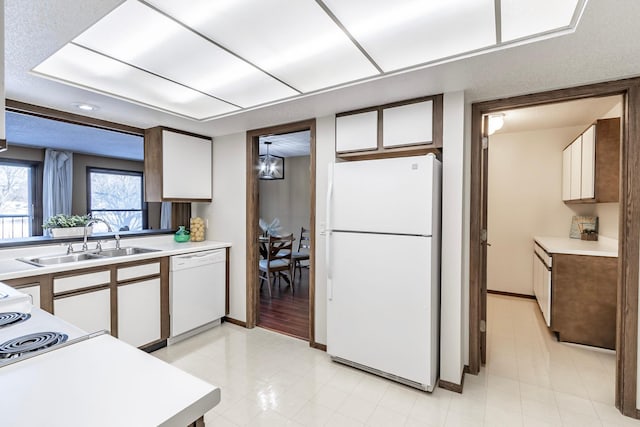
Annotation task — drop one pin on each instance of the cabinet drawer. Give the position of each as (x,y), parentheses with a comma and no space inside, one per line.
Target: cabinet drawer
(128,273)
(87,280)
(544,256)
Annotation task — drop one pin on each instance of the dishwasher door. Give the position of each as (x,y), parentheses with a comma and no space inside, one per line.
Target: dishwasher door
(197,289)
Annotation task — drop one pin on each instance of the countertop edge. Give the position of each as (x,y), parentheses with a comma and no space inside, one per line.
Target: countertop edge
(567,246)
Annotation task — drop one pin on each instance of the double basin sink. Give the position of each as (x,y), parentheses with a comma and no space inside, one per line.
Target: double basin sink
(44,261)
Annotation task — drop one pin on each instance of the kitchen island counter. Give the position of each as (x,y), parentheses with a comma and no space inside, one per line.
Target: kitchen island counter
(101,381)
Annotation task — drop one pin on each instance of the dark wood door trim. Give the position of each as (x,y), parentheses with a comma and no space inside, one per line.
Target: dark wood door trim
(253,206)
(629,229)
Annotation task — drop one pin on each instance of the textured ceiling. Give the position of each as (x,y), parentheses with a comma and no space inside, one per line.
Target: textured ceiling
(287,145)
(602,48)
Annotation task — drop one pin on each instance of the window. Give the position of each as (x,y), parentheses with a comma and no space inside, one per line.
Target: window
(115,196)
(20,212)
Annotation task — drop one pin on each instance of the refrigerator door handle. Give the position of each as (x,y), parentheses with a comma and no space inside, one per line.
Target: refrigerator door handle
(329,269)
(329,198)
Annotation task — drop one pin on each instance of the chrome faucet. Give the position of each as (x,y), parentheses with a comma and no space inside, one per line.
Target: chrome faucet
(93,221)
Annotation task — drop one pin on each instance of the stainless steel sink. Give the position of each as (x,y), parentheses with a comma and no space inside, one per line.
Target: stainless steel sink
(125,251)
(59,259)
(84,256)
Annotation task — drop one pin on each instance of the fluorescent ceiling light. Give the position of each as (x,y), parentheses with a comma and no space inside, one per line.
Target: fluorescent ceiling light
(524,18)
(203,59)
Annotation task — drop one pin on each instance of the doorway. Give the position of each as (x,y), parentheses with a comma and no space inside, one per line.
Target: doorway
(627,283)
(531,336)
(288,306)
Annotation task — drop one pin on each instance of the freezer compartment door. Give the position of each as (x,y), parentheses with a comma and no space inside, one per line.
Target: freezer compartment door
(383,307)
(385,196)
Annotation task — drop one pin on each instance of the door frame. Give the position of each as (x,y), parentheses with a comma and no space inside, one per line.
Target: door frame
(253,215)
(628,230)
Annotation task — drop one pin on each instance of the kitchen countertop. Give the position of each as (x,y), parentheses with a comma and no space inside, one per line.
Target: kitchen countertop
(101,382)
(604,246)
(11,268)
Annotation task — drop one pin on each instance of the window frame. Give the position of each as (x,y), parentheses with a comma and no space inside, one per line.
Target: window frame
(35,176)
(143,204)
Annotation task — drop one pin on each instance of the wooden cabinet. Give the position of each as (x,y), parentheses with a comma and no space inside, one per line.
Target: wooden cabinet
(406,128)
(84,299)
(583,308)
(591,164)
(142,302)
(177,166)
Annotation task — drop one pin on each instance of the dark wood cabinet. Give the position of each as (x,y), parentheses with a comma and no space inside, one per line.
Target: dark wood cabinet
(583,299)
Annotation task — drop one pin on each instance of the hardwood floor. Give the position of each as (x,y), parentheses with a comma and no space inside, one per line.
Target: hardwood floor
(286,312)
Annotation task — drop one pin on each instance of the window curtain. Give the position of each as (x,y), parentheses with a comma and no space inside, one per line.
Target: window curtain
(57,183)
(165,215)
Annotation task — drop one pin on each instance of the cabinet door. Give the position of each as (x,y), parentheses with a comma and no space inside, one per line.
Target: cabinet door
(357,132)
(139,312)
(408,124)
(536,277)
(186,166)
(34,291)
(90,311)
(566,173)
(588,170)
(576,166)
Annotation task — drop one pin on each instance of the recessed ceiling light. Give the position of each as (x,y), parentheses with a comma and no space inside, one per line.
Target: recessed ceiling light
(85,107)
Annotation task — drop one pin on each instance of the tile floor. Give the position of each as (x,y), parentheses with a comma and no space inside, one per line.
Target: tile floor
(269,379)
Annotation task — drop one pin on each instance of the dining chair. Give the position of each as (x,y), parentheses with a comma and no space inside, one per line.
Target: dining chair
(278,261)
(302,254)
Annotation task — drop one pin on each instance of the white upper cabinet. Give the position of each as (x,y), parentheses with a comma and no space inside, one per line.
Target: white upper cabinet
(591,164)
(576,173)
(177,166)
(588,165)
(408,124)
(357,132)
(566,174)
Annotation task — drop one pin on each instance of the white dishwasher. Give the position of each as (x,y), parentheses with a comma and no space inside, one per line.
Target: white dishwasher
(197,283)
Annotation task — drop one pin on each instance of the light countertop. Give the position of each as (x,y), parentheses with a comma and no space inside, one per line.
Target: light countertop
(102,382)
(604,246)
(11,268)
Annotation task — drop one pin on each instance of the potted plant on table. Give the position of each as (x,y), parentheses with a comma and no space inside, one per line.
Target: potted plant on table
(62,225)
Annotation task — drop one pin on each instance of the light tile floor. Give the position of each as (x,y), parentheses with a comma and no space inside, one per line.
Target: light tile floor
(530,379)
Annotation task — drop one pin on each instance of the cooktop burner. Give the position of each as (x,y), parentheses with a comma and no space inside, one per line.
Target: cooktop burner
(19,346)
(11,318)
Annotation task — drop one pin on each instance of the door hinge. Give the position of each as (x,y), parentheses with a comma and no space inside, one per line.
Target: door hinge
(483,326)
(485,142)
(483,235)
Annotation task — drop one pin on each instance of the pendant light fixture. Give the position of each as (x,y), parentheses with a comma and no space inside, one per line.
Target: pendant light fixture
(270,166)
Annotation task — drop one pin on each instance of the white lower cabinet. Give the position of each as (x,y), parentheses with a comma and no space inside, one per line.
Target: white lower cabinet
(90,311)
(34,292)
(542,282)
(139,312)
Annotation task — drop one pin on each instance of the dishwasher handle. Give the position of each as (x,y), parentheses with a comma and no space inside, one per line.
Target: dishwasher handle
(195,259)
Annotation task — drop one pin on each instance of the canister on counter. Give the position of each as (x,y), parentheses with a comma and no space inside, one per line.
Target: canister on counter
(197,229)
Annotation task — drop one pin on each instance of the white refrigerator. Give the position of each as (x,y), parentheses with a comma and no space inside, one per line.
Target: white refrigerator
(383,267)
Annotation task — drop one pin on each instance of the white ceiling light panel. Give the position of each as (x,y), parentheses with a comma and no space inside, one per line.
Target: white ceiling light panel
(154,42)
(81,67)
(525,18)
(406,33)
(294,40)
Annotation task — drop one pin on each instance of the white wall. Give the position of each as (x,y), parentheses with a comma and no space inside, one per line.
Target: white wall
(525,200)
(227,214)
(288,199)
(452,318)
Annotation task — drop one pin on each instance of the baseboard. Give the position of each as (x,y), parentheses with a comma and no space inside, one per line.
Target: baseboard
(456,388)
(510,294)
(318,346)
(466,369)
(234,321)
